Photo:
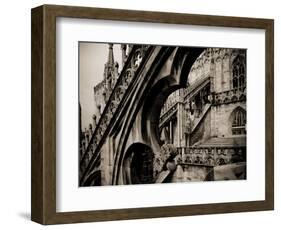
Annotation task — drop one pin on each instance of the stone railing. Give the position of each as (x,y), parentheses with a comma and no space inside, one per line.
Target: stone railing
(166,115)
(200,83)
(209,156)
(170,102)
(230,96)
(131,66)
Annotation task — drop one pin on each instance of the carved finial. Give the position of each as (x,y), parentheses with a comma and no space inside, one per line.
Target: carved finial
(110,60)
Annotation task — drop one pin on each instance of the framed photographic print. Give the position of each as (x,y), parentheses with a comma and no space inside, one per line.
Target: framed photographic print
(137,114)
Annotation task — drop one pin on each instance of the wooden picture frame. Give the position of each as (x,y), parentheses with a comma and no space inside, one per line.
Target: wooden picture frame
(43,208)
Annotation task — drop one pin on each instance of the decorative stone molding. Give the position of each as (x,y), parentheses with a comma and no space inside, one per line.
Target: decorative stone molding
(229,96)
(209,156)
(133,61)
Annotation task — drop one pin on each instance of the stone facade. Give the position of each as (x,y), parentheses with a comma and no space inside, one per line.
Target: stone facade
(215,92)
(182,137)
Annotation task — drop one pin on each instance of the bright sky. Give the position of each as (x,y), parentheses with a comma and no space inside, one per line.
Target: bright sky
(92,58)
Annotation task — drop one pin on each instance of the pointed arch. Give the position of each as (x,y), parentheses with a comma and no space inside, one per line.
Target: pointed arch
(238,121)
(238,79)
(138,164)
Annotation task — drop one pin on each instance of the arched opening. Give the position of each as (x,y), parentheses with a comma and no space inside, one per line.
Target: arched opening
(138,165)
(238,121)
(184,107)
(172,76)
(171,83)
(238,79)
(165,77)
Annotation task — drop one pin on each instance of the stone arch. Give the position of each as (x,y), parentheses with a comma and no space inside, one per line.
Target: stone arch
(152,108)
(138,164)
(237,114)
(176,79)
(168,73)
(138,93)
(93,179)
(238,69)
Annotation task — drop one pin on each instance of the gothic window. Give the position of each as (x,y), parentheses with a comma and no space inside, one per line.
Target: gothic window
(238,72)
(239,121)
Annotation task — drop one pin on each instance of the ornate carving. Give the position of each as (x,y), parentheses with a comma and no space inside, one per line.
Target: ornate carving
(230,96)
(210,156)
(113,98)
(167,113)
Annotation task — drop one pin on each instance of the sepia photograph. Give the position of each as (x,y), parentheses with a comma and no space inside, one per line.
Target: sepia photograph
(151,114)
(147,114)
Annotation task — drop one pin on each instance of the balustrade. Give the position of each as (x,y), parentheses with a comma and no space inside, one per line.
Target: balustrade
(209,156)
(230,96)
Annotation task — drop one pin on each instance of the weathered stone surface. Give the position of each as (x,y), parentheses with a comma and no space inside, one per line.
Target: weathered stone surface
(146,110)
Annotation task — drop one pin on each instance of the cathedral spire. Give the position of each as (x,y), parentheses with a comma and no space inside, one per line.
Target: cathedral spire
(110,60)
